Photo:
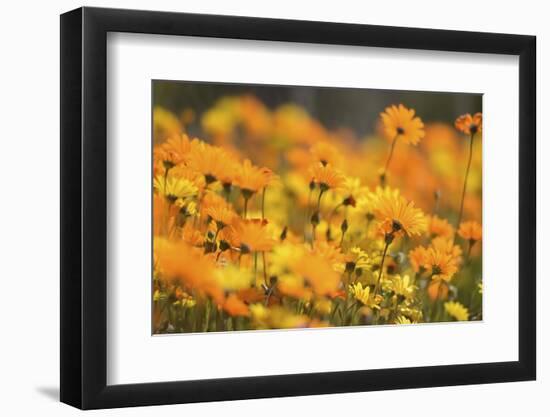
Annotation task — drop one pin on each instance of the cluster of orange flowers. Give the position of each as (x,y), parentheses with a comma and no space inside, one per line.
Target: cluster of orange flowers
(273,221)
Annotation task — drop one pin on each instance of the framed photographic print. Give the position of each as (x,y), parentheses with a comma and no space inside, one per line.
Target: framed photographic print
(257,208)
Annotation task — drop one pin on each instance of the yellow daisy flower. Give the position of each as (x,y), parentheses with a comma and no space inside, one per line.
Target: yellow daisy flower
(457,310)
(400,122)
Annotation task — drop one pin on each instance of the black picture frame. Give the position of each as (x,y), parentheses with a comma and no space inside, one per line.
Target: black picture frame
(84,207)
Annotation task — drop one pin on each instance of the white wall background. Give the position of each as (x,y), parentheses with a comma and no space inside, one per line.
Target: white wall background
(29,225)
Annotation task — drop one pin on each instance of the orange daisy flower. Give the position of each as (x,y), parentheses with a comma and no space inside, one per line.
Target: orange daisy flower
(171,153)
(186,266)
(396,216)
(183,171)
(179,146)
(213,199)
(447,245)
(251,235)
(163,159)
(468,124)
(318,272)
(327,177)
(325,153)
(470,231)
(222,215)
(418,258)
(400,121)
(440,227)
(211,161)
(192,236)
(441,265)
(328,251)
(251,178)
(234,306)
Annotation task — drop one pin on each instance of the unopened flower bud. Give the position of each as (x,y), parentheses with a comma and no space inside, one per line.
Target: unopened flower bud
(315,218)
(344,226)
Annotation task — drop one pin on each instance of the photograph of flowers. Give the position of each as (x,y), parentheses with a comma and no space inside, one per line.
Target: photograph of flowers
(290,207)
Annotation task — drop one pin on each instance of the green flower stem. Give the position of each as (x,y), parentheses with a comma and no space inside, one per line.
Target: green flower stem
(306,220)
(436,312)
(321,192)
(383,176)
(268,295)
(265,269)
(342,237)
(255,266)
(245,207)
(388,242)
(461,211)
(318,212)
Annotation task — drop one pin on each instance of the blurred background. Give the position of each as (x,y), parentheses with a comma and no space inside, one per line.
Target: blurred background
(351,108)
